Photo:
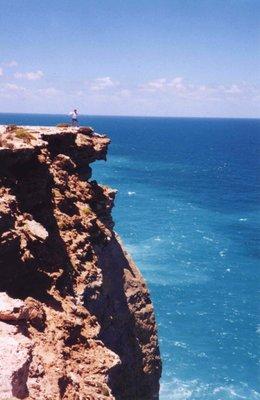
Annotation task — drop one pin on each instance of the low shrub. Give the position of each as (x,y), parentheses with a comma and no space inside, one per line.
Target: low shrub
(23,134)
(19,132)
(86,210)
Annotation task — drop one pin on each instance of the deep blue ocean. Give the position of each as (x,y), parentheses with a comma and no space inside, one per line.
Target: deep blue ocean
(188,211)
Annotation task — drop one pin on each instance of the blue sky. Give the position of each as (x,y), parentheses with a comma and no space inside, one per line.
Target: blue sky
(138,57)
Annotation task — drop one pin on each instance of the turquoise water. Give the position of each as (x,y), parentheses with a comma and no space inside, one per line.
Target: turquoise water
(188,212)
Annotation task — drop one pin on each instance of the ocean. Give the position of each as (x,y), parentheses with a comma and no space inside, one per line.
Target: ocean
(187,210)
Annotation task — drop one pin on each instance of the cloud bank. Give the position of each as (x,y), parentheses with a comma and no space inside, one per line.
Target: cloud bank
(30,76)
(174,96)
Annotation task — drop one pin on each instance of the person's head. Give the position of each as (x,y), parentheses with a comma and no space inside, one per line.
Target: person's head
(75,110)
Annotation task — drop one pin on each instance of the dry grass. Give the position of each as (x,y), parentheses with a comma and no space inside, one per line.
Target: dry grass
(86,210)
(24,134)
(20,133)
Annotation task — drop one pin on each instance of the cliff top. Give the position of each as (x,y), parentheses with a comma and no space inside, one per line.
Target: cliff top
(21,137)
(19,144)
(38,129)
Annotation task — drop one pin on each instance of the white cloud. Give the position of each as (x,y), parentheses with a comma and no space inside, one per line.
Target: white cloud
(153,86)
(124,93)
(100,84)
(13,87)
(233,89)
(30,76)
(49,92)
(11,90)
(178,86)
(11,64)
(79,93)
(164,84)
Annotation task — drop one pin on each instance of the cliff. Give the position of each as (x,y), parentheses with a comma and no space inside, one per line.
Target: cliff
(76,320)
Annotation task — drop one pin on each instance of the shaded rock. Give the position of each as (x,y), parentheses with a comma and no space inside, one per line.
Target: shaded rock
(86,130)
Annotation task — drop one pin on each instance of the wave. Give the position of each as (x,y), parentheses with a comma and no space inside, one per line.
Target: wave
(149,254)
(178,389)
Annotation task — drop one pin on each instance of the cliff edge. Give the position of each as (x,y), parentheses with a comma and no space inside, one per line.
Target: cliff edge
(76,319)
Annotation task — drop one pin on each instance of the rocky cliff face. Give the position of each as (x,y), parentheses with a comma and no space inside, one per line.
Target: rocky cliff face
(76,320)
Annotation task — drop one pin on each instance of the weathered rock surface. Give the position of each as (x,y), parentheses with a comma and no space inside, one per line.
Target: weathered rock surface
(76,319)
(15,358)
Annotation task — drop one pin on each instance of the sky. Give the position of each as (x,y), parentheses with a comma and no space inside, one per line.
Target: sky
(197,58)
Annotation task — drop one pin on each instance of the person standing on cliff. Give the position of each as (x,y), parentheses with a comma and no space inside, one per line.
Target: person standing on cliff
(74,117)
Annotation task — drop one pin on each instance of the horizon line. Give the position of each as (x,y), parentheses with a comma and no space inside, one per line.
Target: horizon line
(131,116)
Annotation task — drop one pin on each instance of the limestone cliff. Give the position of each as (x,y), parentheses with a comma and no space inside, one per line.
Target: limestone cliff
(76,320)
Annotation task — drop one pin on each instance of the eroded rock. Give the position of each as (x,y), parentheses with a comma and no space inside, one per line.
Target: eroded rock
(76,319)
